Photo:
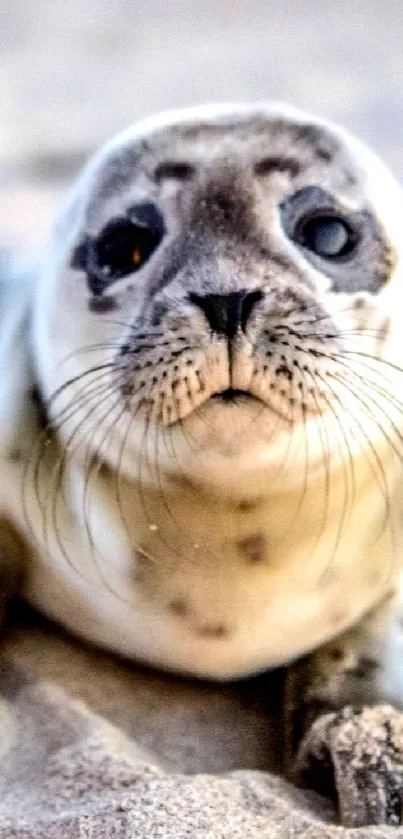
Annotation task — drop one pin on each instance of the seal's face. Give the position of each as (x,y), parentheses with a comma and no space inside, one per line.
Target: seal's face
(222,300)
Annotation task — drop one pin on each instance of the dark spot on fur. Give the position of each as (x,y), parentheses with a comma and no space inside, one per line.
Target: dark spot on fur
(253,547)
(364,668)
(323,154)
(177,170)
(246,505)
(336,654)
(179,607)
(323,146)
(278,164)
(219,631)
(283,370)
(14,456)
(101,304)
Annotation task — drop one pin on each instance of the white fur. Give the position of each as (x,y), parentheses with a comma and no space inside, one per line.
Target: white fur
(272,612)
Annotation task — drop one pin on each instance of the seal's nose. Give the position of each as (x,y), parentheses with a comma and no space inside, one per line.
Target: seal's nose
(227,313)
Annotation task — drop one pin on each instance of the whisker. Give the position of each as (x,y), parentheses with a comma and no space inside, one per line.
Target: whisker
(70,447)
(74,379)
(95,464)
(326,452)
(45,438)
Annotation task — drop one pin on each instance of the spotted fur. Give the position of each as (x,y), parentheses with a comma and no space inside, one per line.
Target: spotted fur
(211,503)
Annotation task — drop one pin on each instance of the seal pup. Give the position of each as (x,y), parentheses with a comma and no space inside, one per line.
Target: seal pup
(201,419)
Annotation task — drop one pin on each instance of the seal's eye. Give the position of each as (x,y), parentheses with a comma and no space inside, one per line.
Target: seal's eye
(123,246)
(346,245)
(327,236)
(127,242)
(314,220)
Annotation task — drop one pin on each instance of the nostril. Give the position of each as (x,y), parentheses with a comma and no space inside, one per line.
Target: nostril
(227,313)
(249,302)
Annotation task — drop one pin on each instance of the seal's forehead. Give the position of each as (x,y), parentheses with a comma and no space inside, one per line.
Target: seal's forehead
(248,137)
(261,142)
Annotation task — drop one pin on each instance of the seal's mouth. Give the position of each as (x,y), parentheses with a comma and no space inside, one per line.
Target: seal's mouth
(231,394)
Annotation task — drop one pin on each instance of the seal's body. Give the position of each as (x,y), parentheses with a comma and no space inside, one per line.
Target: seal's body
(214,342)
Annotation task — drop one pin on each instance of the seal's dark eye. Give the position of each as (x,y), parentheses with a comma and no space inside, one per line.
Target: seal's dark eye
(127,242)
(123,246)
(327,236)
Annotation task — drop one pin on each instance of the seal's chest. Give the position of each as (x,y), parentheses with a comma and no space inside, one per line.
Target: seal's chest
(209,598)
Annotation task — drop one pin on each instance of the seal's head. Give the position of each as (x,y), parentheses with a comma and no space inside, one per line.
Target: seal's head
(217,343)
(221,296)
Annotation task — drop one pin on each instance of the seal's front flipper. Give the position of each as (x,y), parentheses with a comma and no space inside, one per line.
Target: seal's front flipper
(357,757)
(340,737)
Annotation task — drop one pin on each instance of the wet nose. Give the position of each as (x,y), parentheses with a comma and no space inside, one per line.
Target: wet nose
(227,313)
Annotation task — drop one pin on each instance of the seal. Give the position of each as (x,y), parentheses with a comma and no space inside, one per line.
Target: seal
(201,413)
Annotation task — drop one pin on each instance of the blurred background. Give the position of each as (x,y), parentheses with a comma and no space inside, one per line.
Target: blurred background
(73,73)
